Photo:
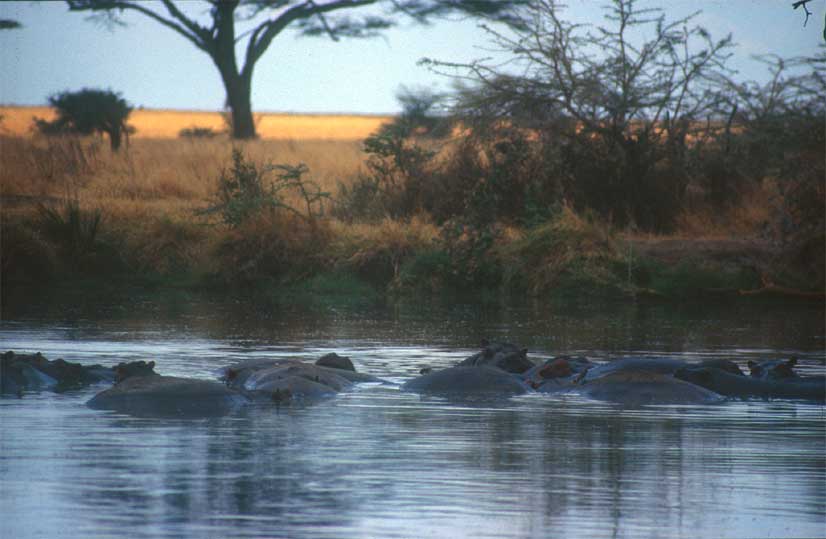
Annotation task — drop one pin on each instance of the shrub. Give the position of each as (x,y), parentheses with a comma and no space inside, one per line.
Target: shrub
(277,246)
(567,249)
(398,171)
(244,193)
(196,132)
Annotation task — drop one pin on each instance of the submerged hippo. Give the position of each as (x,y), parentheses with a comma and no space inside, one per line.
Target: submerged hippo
(639,387)
(659,365)
(464,381)
(23,372)
(773,369)
(291,379)
(169,396)
(731,385)
(630,380)
(495,370)
(140,391)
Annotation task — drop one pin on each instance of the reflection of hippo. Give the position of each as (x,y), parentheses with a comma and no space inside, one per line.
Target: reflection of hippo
(287,379)
(21,372)
(724,383)
(168,396)
(640,387)
(503,356)
(461,380)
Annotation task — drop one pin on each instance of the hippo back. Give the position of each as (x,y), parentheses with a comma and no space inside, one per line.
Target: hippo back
(636,388)
(460,380)
(168,396)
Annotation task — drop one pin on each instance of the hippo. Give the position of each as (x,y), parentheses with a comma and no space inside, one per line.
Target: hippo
(731,385)
(285,379)
(773,369)
(504,356)
(632,388)
(462,381)
(556,373)
(168,396)
(336,361)
(21,372)
(628,381)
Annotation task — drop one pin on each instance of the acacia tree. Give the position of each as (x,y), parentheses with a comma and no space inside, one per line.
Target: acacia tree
(219,38)
(616,100)
(89,111)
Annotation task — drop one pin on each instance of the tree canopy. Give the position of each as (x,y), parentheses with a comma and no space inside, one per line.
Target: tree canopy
(90,111)
(268,18)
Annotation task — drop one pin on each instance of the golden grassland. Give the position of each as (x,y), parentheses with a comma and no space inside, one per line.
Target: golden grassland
(166,124)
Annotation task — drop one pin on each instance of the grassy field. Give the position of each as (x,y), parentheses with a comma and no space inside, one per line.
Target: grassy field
(166,124)
(137,212)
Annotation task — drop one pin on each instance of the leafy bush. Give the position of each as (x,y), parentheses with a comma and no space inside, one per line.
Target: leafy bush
(398,173)
(244,193)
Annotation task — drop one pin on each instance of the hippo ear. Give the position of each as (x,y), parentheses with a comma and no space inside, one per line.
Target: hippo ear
(791,362)
(524,352)
(151,364)
(754,367)
(485,343)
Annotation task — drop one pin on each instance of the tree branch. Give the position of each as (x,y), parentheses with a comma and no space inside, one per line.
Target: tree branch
(108,5)
(802,3)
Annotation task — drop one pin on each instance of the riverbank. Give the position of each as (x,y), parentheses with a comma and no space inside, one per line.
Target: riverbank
(287,258)
(171,213)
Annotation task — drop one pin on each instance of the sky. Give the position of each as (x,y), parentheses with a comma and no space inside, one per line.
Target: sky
(154,67)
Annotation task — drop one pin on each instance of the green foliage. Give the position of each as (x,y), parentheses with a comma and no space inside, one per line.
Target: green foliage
(244,193)
(565,252)
(9,24)
(428,270)
(89,111)
(692,277)
(397,179)
(469,249)
(73,229)
(74,236)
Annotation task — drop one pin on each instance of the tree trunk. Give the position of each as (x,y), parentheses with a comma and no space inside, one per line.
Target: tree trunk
(114,139)
(237,83)
(238,99)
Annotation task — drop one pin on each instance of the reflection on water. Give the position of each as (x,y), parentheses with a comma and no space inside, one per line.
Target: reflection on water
(377,462)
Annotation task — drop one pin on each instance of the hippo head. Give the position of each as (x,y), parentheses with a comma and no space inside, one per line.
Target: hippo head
(134,368)
(697,375)
(558,368)
(336,361)
(773,370)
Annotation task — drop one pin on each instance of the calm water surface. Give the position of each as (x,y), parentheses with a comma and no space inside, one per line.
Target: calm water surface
(377,462)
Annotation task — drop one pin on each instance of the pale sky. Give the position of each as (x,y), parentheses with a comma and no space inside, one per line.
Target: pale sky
(154,67)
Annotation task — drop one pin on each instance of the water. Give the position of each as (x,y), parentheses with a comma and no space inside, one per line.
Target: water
(377,462)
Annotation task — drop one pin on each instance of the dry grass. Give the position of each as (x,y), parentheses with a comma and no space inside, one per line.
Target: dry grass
(160,177)
(755,213)
(166,124)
